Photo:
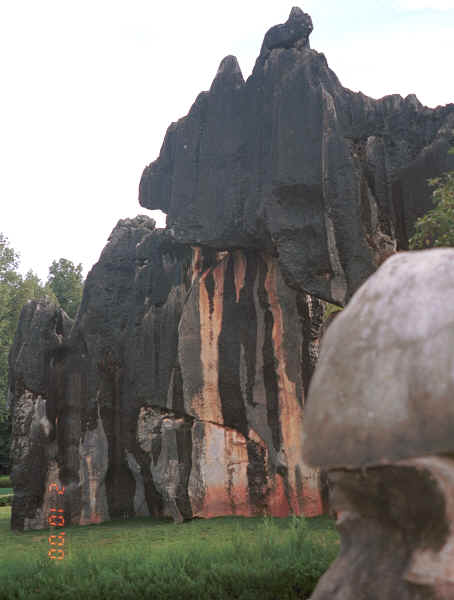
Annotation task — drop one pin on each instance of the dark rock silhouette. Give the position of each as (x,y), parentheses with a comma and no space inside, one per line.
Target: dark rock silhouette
(179,390)
(290,160)
(294,33)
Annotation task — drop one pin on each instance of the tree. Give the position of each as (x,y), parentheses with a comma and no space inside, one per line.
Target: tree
(436,227)
(65,280)
(10,282)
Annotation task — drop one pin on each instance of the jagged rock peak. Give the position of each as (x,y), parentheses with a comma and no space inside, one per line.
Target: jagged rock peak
(134,223)
(229,73)
(128,226)
(294,33)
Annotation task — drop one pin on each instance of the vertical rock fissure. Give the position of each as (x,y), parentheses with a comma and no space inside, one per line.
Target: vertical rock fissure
(232,401)
(184,450)
(269,362)
(248,330)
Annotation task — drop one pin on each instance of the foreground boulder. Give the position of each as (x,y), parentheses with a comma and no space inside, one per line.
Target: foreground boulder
(380,419)
(292,161)
(178,392)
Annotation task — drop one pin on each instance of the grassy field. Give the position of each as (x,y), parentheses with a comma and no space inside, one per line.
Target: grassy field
(218,559)
(5,481)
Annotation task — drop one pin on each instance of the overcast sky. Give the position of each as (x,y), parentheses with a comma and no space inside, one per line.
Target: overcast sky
(89,88)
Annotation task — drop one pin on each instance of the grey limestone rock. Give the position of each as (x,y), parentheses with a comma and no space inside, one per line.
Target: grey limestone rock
(294,33)
(180,388)
(35,379)
(379,419)
(178,392)
(289,160)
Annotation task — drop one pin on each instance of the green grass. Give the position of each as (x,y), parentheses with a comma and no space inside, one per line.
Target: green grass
(5,481)
(6,494)
(218,559)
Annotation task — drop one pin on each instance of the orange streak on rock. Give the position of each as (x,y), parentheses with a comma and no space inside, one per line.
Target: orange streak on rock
(223,466)
(277,501)
(254,436)
(207,404)
(93,517)
(197,261)
(239,270)
(290,410)
(221,255)
(312,502)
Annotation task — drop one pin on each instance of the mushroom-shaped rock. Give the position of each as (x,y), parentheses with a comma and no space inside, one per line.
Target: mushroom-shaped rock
(380,418)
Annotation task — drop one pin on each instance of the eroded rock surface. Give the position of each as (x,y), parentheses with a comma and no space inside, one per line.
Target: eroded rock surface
(380,420)
(180,388)
(35,377)
(291,160)
(178,392)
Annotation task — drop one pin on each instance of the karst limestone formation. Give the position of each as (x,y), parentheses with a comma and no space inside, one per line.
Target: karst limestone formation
(180,388)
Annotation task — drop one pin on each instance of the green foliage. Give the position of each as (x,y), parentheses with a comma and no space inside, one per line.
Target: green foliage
(330,309)
(223,558)
(10,284)
(65,280)
(5,481)
(6,499)
(436,227)
(32,288)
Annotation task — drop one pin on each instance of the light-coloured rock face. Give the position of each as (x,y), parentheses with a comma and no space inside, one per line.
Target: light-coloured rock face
(180,396)
(396,526)
(382,397)
(93,464)
(248,391)
(387,368)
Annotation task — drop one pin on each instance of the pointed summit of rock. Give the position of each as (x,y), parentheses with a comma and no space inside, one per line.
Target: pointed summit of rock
(296,13)
(294,33)
(229,73)
(289,159)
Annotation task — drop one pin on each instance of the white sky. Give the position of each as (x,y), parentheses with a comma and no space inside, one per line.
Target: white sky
(89,88)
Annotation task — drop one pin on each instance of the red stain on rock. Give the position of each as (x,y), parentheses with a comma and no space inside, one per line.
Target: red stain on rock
(197,262)
(312,502)
(207,404)
(290,409)
(223,464)
(277,500)
(223,488)
(239,270)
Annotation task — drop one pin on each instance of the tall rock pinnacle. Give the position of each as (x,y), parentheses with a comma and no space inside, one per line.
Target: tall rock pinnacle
(294,33)
(333,181)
